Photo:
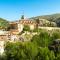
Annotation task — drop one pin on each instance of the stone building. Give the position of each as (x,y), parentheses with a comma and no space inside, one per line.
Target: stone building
(4,35)
(28,22)
(20,24)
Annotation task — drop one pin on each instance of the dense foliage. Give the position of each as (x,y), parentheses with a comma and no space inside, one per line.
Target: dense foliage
(36,49)
(27,51)
(26,28)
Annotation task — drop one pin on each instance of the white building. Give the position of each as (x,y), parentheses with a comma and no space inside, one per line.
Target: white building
(20,27)
(1,47)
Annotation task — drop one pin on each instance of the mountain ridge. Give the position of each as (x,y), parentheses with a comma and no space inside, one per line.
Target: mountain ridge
(52,18)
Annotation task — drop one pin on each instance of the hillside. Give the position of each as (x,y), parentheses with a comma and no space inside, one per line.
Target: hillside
(53,18)
(3,23)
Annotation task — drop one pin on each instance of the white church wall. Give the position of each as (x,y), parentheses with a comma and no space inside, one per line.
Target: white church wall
(20,27)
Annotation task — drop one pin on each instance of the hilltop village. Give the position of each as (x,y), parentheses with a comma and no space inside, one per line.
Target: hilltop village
(15,32)
(24,29)
(17,27)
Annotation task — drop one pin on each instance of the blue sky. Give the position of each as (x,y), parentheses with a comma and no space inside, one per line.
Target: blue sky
(13,9)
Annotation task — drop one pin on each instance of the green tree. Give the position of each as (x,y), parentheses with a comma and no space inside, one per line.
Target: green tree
(43,39)
(26,28)
(20,51)
(58,57)
(55,35)
(37,22)
(44,54)
(22,17)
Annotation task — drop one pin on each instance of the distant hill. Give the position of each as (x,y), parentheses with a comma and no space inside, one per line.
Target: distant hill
(53,18)
(3,23)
